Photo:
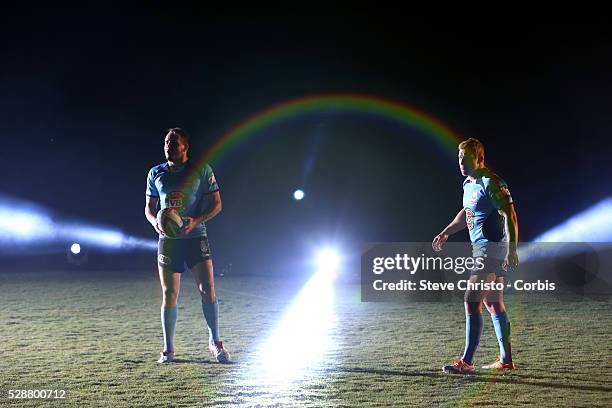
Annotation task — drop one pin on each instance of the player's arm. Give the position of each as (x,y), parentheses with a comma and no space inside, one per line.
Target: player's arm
(457,224)
(151,211)
(511,231)
(212,207)
(500,197)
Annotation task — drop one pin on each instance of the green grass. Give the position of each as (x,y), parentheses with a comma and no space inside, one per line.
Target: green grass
(99,337)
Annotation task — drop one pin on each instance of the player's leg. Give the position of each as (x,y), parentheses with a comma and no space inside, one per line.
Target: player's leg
(472,302)
(170,285)
(473,299)
(494,302)
(473,329)
(203,273)
(170,280)
(204,277)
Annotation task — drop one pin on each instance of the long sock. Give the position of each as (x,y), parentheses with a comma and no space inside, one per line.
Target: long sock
(211,314)
(501,323)
(473,331)
(169,315)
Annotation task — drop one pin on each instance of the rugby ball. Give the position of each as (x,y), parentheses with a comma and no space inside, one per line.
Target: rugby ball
(169,221)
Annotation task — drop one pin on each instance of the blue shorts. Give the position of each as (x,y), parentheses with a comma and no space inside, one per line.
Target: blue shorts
(176,254)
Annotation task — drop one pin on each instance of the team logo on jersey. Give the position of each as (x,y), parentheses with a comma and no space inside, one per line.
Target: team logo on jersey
(175,200)
(469,218)
(212,180)
(164,260)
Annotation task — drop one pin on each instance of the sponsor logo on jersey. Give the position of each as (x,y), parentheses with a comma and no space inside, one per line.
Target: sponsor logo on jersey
(469,218)
(164,260)
(212,180)
(474,198)
(175,200)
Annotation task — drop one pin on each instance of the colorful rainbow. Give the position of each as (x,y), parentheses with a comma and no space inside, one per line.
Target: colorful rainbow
(357,103)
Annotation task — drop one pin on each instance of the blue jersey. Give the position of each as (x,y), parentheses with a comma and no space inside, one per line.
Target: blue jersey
(182,188)
(481,200)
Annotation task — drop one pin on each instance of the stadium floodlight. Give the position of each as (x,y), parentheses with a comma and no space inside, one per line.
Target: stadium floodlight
(75,248)
(298,195)
(102,237)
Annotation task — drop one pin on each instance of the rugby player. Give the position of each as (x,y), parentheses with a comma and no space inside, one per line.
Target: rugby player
(194,193)
(486,199)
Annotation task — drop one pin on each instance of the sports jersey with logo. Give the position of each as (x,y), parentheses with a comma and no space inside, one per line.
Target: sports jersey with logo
(481,200)
(182,188)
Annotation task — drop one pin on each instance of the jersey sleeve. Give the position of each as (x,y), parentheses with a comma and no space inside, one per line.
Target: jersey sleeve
(209,181)
(498,193)
(151,189)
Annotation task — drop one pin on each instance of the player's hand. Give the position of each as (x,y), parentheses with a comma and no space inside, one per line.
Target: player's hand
(438,241)
(157,229)
(511,260)
(189,224)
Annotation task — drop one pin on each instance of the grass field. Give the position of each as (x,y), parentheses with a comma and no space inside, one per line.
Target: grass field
(98,337)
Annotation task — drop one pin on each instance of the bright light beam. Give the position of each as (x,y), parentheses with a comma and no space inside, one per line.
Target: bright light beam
(591,225)
(93,235)
(328,260)
(303,339)
(23,222)
(23,226)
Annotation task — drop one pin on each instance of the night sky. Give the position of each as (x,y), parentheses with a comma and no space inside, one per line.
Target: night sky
(86,99)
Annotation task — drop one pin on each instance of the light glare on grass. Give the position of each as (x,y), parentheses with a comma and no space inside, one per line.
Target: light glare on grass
(303,340)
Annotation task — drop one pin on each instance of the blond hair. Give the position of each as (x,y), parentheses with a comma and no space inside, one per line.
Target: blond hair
(473,146)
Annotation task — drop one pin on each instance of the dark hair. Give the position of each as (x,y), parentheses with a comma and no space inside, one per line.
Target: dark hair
(180,132)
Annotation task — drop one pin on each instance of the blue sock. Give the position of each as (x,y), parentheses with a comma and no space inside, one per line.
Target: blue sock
(473,331)
(169,315)
(501,323)
(211,314)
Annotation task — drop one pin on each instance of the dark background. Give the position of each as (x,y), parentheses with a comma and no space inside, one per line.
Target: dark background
(86,97)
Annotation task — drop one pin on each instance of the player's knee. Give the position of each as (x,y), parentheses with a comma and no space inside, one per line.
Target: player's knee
(495,308)
(170,294)
(473,307)
(207,292)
